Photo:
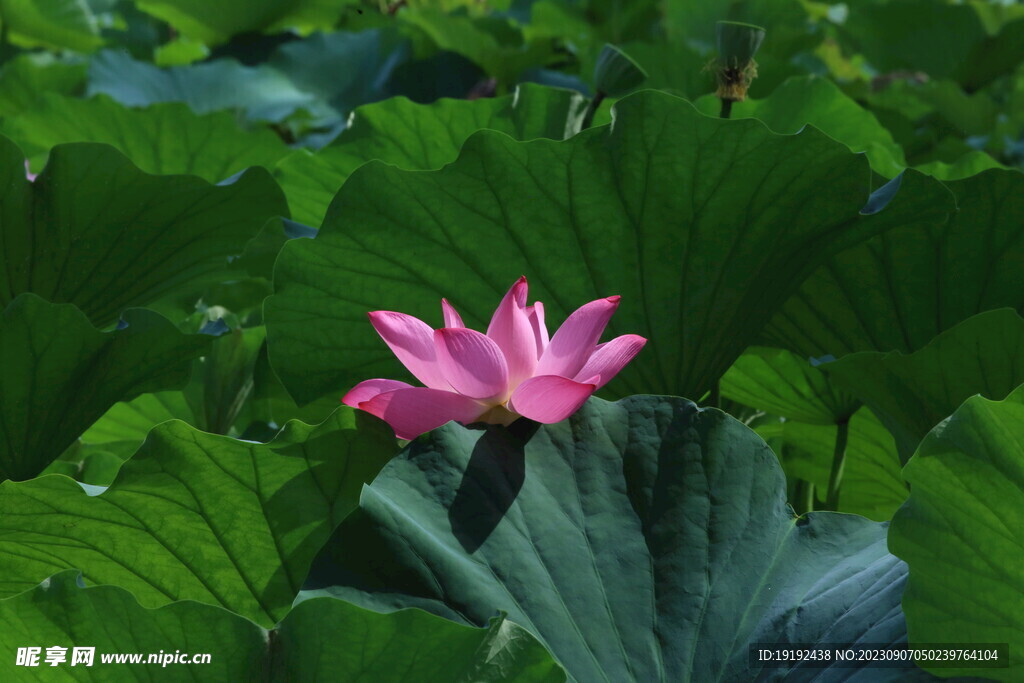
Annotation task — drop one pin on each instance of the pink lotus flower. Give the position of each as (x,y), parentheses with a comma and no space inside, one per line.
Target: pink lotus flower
(512,371)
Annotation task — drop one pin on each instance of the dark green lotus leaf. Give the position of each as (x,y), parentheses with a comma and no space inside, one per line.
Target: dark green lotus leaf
(27,76)
(674,67)
(913,35)
(804,100)
(498,45)
(312,83)
(95,231)
(782,383)
(420,136)
(232,388)
(871,485)
(940,124)
(219,393)
(95,465)
(995,56)
(215,399)
(912,393)
(971,113)
(259,93)
(616,73)
(784,20)
(55,24)
(272,404)
(897,291)
(960,532)
(226,382)
(970,164)
(61,374)
(216,23)
(644,540)
(162,139)
(703,226)
(132,420)
(345,69)
(319,640)
(938,39)
(327,639)
(194,516)
(99,453)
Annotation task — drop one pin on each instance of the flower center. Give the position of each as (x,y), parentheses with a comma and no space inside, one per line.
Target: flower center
(499,415)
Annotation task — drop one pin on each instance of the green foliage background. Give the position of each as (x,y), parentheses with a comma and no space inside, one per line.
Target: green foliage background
(823,441)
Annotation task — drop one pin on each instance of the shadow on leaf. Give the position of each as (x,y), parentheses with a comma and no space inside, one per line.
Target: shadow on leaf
(491,482)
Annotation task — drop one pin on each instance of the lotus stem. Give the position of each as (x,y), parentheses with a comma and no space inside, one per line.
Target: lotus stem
(715,395)
(588,115)
(838,461)
(804,496)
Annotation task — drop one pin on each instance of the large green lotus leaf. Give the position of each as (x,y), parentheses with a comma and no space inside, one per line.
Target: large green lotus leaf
(996,56)
(674,67)
(61,374)
(934,119)
(586,27)
(871,485)
(327,639)
(226,380)
(912,393)
(996,15)
(194,516)
(962,532)
(99,453)
(345,69)
(495,44)
(257,261)
(259,93)
(704,227)
(420,136)
(971,163)
(162,139)
(319,79)
(899,290)
(216,23)
(95,464)
(272,404)
(644,540)
(939,39)
(973,114)
(782,383)
(819,102)
(218,396)
(319,640)
(915,35)
(56,24)
(95,231)
(786,22)
(25,77)
(132,420)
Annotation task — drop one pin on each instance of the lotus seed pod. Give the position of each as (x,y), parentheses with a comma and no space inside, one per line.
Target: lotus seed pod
(735,68)
(616,73)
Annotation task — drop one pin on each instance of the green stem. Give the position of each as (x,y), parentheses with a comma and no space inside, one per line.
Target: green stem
(588,115)
(838,461)
(804,496)
(726,111)
(6,49)
(715,395)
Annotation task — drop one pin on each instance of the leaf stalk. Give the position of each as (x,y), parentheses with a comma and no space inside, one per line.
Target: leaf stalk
(838,463)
